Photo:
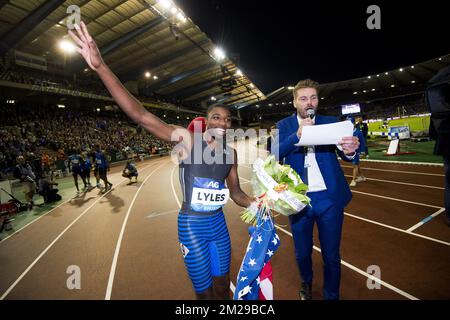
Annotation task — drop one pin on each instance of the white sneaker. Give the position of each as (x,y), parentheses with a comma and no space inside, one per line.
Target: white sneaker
(353,183)
(360,179)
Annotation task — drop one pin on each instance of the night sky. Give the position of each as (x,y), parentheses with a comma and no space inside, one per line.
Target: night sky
(281,42)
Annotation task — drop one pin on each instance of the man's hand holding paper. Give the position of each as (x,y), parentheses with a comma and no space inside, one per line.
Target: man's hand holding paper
(339,133)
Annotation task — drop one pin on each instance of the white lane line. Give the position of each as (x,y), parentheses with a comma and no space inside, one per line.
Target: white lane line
(397,229)
(232,287)
(431,164)
(33,221)
(399,171)
(363,273)
(395,199)
(51,244)
(173,187)
(421,223)
(398,182)
(156,214)
(119,241)
(401,230)
(245,180)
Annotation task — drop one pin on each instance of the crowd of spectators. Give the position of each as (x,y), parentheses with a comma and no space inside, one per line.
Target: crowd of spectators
(50,134)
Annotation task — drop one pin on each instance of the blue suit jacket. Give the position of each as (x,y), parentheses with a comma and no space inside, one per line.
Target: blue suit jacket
(337,187)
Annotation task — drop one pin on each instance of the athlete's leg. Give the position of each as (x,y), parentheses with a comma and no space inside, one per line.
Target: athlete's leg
(83,178)
(194,246)
(208,294)
(75,179)
(220,251)
(221,287)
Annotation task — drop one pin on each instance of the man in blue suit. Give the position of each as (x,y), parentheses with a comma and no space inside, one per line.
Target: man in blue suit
(318,167)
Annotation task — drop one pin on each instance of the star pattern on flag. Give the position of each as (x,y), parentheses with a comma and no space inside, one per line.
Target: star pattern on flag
(259,240)
(262,246)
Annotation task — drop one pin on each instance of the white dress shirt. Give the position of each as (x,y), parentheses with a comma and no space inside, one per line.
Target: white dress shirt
(315,179)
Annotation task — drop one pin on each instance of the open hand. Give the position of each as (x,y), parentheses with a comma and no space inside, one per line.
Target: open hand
(87,46)
(349,145)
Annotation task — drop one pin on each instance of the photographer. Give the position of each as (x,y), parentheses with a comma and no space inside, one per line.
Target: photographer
(438,101)
(46,189)
(130,171)
(24,172)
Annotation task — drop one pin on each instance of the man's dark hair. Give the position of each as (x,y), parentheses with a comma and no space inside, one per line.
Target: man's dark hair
(213,106)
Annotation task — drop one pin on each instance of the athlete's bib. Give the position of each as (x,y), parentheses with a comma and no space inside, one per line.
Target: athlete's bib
(208,195)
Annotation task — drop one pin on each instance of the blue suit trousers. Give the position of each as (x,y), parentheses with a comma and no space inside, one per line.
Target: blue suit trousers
(329,219)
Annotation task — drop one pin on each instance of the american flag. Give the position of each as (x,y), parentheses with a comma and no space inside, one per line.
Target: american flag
(254,280)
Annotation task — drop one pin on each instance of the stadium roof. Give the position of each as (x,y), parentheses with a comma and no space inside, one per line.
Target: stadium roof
(406,80)
(135,37)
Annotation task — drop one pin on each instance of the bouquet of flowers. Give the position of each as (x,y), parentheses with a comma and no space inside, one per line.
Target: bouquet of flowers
(278,188)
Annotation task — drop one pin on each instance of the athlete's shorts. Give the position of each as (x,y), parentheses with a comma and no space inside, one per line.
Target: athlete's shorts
(102,172)
(205,245)
(356,159)
(76,171)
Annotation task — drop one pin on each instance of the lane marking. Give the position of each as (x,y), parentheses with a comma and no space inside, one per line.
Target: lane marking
(398,182)
(46,213)
(119,241)
(53,242)
(398,229)
(395,199)
(363,273)
(245,180)
(400,171)
(156,214)
(435,164)
(33,221)
(173,187)
(427,219)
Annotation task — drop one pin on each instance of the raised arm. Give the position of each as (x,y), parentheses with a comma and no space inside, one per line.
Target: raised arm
(127,102)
